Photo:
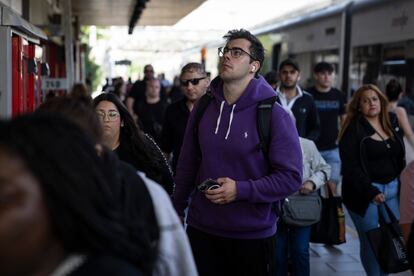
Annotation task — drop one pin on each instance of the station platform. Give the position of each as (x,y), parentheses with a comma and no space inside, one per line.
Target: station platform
(340,260)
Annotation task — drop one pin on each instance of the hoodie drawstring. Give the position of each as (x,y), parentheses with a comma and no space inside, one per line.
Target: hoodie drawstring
(219,117)
(231,119)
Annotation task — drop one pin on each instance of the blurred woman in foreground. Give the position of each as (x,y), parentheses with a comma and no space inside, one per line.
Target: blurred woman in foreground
(59,214)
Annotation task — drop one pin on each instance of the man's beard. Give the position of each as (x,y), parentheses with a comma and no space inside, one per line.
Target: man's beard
(285,86)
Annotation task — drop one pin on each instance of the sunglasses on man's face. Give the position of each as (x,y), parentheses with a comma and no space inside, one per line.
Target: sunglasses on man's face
(192,81)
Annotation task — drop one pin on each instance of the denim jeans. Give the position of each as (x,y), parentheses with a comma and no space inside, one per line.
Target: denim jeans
(370,221)
(332,158)
(293,242)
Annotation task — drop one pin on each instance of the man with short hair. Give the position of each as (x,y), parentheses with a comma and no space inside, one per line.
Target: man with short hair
(232,227)
(300,102)
(151,111)
(330,103)
(194,83)
(137,92)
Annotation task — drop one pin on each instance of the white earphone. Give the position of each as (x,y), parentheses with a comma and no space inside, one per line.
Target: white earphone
(253,68)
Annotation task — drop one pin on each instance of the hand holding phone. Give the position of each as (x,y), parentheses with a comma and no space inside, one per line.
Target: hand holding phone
(208,184)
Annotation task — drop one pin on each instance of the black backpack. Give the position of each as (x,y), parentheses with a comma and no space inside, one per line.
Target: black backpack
(264,117)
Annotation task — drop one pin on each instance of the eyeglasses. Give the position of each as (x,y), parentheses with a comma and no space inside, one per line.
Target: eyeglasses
(112,115)
(235,52)
(186,83)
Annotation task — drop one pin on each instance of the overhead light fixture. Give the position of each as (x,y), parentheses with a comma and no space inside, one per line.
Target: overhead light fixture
(136,14)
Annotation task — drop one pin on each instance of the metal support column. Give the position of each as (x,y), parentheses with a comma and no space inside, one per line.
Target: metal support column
(68,32)
(6,72)
(345,50)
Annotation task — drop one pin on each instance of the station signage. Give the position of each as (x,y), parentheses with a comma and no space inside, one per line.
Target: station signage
(54,84)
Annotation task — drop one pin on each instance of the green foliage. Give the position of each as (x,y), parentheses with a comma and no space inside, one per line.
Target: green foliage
(134,69)
(85,32)
(93,71)
(267,44)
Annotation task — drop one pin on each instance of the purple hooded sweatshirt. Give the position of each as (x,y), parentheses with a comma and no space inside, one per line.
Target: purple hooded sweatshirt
(229,141)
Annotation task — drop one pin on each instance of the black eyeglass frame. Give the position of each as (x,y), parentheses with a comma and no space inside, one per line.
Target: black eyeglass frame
(194,81)
(223,50)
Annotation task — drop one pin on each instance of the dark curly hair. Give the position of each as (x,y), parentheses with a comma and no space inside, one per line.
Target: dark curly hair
(78,190)
(256,47)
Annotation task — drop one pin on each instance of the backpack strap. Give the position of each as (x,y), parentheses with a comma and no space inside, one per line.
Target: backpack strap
(264,118)
(201,107)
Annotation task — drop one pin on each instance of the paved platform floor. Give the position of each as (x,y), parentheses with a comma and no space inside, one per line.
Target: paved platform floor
(340,260)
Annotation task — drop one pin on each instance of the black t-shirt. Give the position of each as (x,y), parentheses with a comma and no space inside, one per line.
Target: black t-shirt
(330,106)
(175,95)
(173,129)
(137,92)
(381,164)
(151,117)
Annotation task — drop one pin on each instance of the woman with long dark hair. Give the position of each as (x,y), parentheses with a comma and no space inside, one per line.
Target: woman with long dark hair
(60,210)
(372,154)
(133,189)
(121,134)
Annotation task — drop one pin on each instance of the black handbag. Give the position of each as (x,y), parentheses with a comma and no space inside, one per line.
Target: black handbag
(302,210)
(331,227)
(388,244)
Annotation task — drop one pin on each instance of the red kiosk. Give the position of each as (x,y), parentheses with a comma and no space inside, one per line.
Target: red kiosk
(21,58)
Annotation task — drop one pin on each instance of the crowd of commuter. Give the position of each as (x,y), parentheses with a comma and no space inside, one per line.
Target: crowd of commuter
(194,178)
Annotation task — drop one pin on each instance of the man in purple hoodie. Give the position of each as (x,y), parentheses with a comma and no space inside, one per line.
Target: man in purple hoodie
(232,228)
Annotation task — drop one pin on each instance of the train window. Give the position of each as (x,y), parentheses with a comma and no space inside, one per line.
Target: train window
(275,56)
(330,31)
(365,66)
(394,52)
(396,67)
(330,56)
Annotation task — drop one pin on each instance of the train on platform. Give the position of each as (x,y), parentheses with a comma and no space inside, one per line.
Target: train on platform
(367,41)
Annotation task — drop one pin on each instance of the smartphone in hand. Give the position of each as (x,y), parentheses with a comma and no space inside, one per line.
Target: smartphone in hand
(208,184)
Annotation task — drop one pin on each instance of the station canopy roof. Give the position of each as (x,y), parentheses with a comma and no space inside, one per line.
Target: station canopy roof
(119,12)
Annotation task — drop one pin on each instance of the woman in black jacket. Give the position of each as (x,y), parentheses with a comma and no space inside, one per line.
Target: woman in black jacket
(122,135)
(372,154)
